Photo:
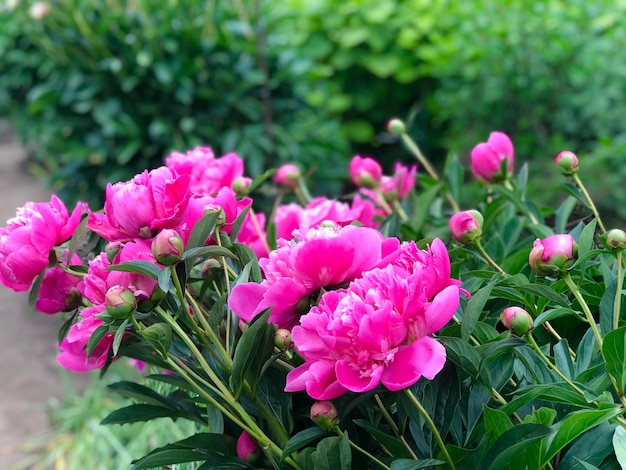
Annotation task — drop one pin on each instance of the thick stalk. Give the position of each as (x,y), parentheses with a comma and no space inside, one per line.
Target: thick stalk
(592,206)
(488,258)
(618,292)
(588,315)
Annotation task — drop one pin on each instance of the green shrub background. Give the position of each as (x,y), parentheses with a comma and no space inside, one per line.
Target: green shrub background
(101,89)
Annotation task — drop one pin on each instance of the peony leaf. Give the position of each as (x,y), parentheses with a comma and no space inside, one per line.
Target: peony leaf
(619,445)
(614,352)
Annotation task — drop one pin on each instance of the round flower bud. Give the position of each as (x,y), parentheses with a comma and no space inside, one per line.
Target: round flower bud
(282,339)
(517,320)
(247,448)
(615,239)
(120,302)
(553,255)
(567,161)
(112,249)
(365,172)
(493,161)
(221,215)
(396,127)
(73,300)
(466,226)
(288,175)
(241,185)
(324,414)
(167,247)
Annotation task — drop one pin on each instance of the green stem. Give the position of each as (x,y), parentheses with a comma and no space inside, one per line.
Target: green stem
(383,202)
(363,451)
(618,292)
(549,363)
(415,150)
(588,315)
(432,426)
(398,206)
(520,204)
(488,258)
(394,426)
(592,206)
(227,279)
(548,327)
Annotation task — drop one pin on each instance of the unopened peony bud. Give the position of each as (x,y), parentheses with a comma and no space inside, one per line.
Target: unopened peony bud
(74,299)
(120,302)
(365,172)
(167,247)
(567,161)
(221,215)
(39,10)
(517,320)
(288,175)
(241,185)
(493,160)
(553,255)
(247,448)
(282,339)
(466,226)
(396,127)
(112,249)
(324,414)
(615,239)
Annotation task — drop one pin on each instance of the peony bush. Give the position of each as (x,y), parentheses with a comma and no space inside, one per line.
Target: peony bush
(400,327)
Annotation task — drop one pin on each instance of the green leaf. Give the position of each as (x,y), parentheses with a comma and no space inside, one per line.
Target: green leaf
(393,445)
(574,425)
(95,338)
(552,314)
(138,267)
(259,179)
(333,453)
(159,336)
(619,445)
(453,171)
(473,310)
(302,439)
(212,251)
(514,442)
(143,412)
(496,423)
(33,295)
(614,351)
(254,348)
(555,393)
(140,392)
(119,335)
(462,354)
(586,239)
(541,290)
(202,230)
(407,464)
(591,448)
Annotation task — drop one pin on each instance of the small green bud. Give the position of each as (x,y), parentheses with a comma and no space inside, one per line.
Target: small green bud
(120,302)
(396,127)
(324,414)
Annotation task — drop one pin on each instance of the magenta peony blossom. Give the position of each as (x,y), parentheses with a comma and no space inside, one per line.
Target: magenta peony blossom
(487,158)
(28,238)
(317,258)
(252,234)
(139,208)
(400,184)
(58,291)
(365,172)
(377,330)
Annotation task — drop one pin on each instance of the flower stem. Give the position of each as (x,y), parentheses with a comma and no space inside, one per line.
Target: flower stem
(588,315)
(618,291)
(415,150)
(488,258)
(363,451)
(227,279)
(394,426)
(592,206)
(432,426)
(549,363)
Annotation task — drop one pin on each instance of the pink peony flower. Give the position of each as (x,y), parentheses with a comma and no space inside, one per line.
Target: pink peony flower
(400,184)
(377,330)
(487,158)
(28,238)
(58,291)
(139,208)
(252,234)
(317,258)
(365,172)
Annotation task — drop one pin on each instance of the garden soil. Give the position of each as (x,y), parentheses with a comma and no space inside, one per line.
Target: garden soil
(29,375)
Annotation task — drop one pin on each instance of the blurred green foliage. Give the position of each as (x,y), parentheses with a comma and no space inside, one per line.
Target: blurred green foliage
(102,89)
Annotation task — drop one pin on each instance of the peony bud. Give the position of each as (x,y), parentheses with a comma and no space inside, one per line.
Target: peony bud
(167,247)
(396,127)
(553,255)
(288,175)
(567,161)
(112,249)
(493,160)
(615,239)
(466,226)
(365,172)
(324,414)
(282,339)
(120,302)
(247,448)
(241,185)
(39,10)
(221,215)
(517,320)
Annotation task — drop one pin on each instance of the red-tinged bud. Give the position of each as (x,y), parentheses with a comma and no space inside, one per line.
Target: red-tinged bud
(567,161)
(615,239)
(168,247)
(466,226)
(120,302)
(288,175)
(282,339)
(73,300)
(517,320)
(365,172)
(553,255)
(247,448)
(324,414)
(396,127)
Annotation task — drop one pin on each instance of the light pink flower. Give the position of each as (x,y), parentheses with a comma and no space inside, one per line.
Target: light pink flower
(252,234)
(139,208)
(377,330)
(365,172)
(28,238)
(58,291)
(487,158)
(323,257)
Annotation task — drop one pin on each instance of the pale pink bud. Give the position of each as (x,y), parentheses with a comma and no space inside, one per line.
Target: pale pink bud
(365,172)
(120,302)
(324,414)
(241,185)
(39,10)
(553,255)
(288,175)
(247,448)
(493,160)
(167,247)
(466,226)
(112,249)
(615,239)
(567,161)
(282,339)
(517,320)
(396,127)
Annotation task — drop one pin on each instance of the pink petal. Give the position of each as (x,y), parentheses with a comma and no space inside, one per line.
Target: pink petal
(425,356)
(356,379)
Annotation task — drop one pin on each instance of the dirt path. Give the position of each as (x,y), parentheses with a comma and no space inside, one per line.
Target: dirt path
(29,375)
